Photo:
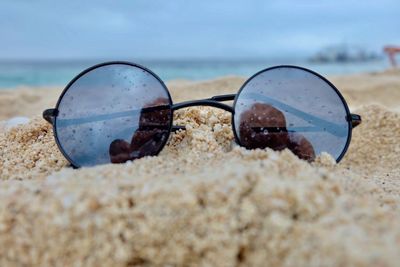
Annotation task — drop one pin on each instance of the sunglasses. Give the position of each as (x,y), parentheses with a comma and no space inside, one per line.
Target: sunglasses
(119,111)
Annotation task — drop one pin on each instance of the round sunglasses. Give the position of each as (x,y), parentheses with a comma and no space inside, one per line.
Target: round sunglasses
(119,111)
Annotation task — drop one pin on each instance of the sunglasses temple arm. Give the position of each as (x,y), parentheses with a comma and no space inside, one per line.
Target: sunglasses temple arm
(49,115)
(329,126)
(355,120)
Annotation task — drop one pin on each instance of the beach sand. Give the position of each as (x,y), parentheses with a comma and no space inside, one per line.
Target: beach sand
(204,201)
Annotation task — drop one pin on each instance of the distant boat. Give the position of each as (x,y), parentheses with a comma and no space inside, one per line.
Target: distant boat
(343,54)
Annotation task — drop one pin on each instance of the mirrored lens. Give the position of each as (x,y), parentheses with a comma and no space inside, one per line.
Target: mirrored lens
(290,107)
(113,113)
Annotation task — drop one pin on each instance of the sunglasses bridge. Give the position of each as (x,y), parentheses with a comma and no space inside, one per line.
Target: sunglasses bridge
(212,102)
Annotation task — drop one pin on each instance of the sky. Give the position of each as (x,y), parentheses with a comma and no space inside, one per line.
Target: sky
(206,29)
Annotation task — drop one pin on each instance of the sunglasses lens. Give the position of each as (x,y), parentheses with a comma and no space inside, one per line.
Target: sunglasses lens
(290,107)
(113,113)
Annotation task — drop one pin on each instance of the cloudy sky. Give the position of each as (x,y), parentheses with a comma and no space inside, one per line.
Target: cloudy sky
(72,29)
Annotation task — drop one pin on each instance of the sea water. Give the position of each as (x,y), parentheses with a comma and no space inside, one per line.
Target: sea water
(58,73)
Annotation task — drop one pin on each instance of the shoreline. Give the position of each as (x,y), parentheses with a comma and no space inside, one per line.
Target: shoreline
(377,88)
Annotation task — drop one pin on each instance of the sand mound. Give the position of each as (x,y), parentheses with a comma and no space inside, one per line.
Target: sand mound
(203,201)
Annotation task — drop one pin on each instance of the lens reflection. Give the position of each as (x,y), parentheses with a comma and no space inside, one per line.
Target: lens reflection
(288,107)
(113,113)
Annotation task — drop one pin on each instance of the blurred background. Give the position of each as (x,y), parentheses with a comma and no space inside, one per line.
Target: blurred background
(46,42)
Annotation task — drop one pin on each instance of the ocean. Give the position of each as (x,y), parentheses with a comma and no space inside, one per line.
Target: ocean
(58,73)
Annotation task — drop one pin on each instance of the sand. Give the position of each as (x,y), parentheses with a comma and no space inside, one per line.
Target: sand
(204,201)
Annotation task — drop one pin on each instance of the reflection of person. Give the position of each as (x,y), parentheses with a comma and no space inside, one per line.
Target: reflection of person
(264,126)
(391,52)
(152,129)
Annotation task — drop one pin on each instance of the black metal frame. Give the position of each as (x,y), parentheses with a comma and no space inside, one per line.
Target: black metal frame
(50,115)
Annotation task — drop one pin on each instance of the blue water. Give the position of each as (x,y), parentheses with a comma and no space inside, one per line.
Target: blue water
(59,73)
